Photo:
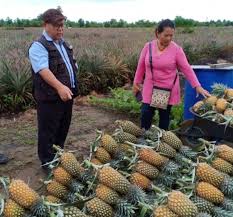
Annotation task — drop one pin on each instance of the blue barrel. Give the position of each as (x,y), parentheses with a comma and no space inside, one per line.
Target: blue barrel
(207,76)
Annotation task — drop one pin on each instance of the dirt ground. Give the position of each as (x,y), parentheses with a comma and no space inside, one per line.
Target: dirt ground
(18,140)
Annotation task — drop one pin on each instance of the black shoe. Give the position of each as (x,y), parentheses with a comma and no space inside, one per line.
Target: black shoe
(3,159)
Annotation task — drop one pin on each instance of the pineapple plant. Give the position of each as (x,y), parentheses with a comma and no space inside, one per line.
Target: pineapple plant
(113,179)
(208,174)
(107,194)
(102,155)
(225,152)
(180,204)
(98,208)
(22,194)
(209,192)
(52,199)
(12,209)
(130,127)
(222,166)
(62,176)
(152,157)
(163,211)
(171,139)
(70,164)
(147,170)
(72,211)
(57,190)
(109,144)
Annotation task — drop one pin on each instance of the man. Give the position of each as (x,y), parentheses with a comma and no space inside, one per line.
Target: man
(54,84)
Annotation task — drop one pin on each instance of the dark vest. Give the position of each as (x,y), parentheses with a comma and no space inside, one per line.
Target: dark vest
(43,91)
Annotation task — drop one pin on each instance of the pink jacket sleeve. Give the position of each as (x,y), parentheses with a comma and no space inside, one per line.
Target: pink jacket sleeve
(184,66)
(141,68)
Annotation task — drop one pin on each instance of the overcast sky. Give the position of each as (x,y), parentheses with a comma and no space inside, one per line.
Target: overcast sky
(129,10)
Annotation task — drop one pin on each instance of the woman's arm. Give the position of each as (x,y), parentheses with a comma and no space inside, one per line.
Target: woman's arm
(184,66)
(140,72)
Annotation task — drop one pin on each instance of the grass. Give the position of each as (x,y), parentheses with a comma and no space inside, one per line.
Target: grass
(122,100)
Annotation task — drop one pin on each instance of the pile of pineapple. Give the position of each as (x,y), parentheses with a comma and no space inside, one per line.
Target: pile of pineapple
(131,173)
(219,106)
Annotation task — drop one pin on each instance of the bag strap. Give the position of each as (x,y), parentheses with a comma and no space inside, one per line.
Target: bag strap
(150,60)
(151,65)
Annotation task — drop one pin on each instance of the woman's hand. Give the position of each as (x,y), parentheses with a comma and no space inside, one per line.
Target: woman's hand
(136,88)
(202,91)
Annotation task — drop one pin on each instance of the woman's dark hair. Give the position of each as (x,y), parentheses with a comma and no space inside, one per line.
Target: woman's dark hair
(164,24)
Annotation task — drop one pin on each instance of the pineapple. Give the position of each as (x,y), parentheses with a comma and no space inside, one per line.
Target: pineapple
(180,204)
(225,152)
(107,194)
(219,212)
(152,157)
(163,211)
(52,199)
(147,170)
(221,105)
(211,100)
(218,89)
(62,176)
(208,174)
(72,211)
(141,181)
(98,208)
(130,127)
(70,164)
(228,112)
(122,137)
(165,150)
(197,106)
(57,190)
(171,139)
(109,144)
(22,194)
(205,108)
(96,161)
(203,205)
(209,192)
(126,148)
(12,209)
(113,179)
(229,93)
(203,214)
(102,155)
(222,166)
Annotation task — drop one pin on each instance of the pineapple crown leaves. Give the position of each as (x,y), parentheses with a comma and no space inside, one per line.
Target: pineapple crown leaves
(218,89)
(2,204)
(136,195)
(125,208)
(5,182)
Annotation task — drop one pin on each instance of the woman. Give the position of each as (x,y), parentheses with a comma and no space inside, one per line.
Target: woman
(161,72)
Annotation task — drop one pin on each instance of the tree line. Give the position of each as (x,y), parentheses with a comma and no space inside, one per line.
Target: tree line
(113,23)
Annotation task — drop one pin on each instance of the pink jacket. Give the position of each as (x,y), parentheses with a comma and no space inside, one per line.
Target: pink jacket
(165,67)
